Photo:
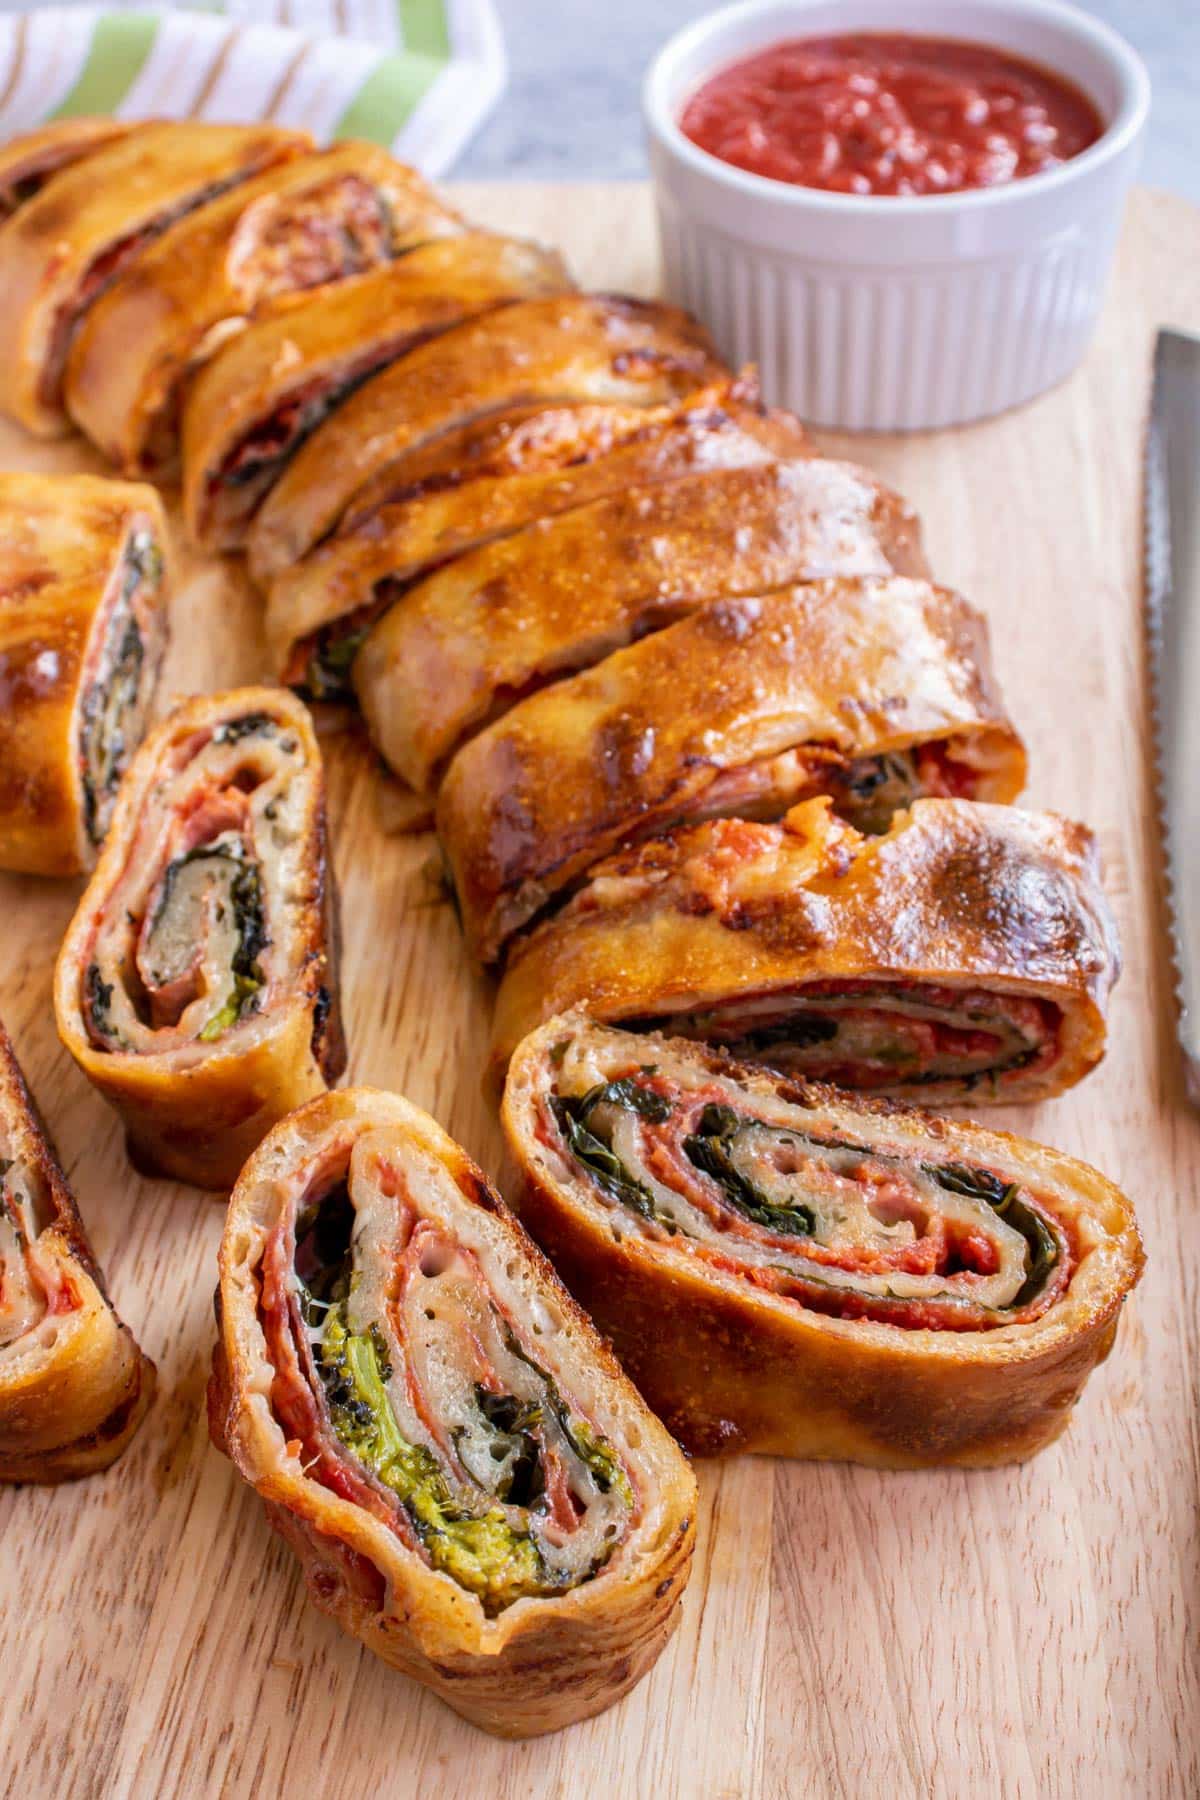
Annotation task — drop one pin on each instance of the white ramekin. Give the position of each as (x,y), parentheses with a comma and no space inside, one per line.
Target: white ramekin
(893,313)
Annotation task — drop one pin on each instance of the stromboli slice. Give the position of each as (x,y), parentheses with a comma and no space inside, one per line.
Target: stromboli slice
(458,649)
(576,347)
(471,1485)
(791,1270)
(196,986)
(970,952)
(548,438)
(318,612)
(67,244)
(74,1386)
(318,219)
(253,406)
(875,689)
(83,628)
(27,162)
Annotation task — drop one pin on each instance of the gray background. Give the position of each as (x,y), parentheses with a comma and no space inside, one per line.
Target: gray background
(570,111)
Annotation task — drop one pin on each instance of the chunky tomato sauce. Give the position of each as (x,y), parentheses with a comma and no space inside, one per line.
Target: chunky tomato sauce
(875,113)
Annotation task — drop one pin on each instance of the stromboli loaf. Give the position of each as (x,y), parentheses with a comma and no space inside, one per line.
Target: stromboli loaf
(27,162)
(252,407)
(67,244)
(790,1270)
(197,985)
(318,611)
(470,1483)
(874,689)
(457,650)
(316,219)
(969,952)
(83,628)
(74,1386)
(576,347)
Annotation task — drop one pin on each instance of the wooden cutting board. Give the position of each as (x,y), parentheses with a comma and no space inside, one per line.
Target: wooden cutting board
(1025,1632)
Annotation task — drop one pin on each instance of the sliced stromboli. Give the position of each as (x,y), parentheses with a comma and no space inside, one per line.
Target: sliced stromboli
(317,219)
(318,613)
(875,689)
(71,241)
(470,1483)
(256,403)
(28,162)
(460,648)
(575,347)
(83,628)
(74,1386)
(970,952)
(197,983)
(787,1269)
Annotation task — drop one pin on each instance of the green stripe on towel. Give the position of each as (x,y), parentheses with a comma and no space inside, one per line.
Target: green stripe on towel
(121,42)
(388,97)
(424,27)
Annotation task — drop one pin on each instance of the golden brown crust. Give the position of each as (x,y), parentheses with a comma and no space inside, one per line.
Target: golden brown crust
(27,162)
(860,666)
(531,475)
(732,1367)
(76,1386)
(306,222)
(541,1663)
(458,649)
(956,895)
(62,541)
(583,347)
(197,1118)
(87,222)
(334,339)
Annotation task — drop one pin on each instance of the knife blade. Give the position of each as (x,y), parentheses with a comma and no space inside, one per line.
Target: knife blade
(1172,566)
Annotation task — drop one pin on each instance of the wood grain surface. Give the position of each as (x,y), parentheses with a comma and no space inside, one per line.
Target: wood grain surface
(1027,1632)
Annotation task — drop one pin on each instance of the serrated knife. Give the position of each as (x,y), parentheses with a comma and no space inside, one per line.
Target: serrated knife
(1172,520)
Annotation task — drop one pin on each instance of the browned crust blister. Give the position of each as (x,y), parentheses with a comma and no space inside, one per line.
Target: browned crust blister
(71,1397)
(860,664)
(731,1367)
(543,1662)
(62,538)
(198,1122)
(559,595)
(957,894)
(574,347)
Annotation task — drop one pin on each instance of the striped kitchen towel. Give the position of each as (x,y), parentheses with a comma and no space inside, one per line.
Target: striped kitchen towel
(417,75)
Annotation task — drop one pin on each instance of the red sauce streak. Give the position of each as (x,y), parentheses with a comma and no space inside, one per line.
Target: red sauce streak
(875,113)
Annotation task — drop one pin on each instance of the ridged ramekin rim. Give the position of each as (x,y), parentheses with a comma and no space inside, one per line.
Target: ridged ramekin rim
(1119,135)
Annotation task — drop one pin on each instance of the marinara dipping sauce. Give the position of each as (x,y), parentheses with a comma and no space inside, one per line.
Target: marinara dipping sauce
(876,113)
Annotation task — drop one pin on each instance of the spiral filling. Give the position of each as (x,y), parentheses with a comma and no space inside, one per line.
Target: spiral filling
(876,1034)
(192,940)
(23,1290)
(120,679)
(842,1227)
(416,1389)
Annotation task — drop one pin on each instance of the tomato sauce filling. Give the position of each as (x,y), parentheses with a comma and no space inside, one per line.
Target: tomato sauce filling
(888,113)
